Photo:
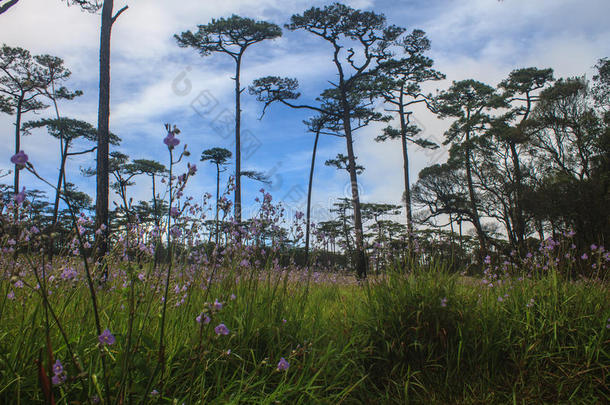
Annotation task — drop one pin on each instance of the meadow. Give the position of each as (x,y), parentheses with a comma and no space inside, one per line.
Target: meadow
(235,332)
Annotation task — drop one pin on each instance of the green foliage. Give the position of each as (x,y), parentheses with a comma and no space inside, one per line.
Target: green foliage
(405,338)
(228,35)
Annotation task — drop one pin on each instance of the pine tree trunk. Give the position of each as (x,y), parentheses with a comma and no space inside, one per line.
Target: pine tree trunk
(309,189)
(101,205)
(237,207)
(360,256)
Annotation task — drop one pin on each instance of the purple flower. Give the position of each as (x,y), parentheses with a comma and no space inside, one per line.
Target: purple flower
(174,213)
(282,365)
(584,256)
(203,317)
(443,302)
(192,169)
(19,159)
(57,379)
(10,295)
(221,329)
(170,140)
(57,367)
(217,305)
(106,338)
(20,197)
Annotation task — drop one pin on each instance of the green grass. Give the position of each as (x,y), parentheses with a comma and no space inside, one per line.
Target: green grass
(388,341)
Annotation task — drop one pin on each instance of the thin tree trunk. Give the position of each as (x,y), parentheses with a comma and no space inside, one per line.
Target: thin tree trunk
(103,117)
(473,201)
(18,140)
(359,242)
(237,207)
(309,189)
(519,221)
(217,199)
(62,168)
(405,157)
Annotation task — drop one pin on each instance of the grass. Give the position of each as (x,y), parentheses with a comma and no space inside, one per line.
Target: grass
(423,337)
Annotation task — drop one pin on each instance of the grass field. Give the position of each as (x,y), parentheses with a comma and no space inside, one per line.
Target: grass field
(421,337)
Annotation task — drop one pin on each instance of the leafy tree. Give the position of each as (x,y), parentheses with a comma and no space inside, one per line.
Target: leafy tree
(22,81)
(570,154)
(467,101)
(153,169)
(440,191)
(520,90)
(67,130)
(231,36)
(219,157)
(347,105)
(341,162)
(400,83)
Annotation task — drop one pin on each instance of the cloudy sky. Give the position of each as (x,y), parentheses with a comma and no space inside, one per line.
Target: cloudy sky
(154,81)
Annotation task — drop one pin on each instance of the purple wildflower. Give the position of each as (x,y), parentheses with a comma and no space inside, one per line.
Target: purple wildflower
(217,305)
(57,379)
(221,329)
(106,337)
(203,317)
(10,295)
(173,212)
(20,197)
(57,367)
(192,169)
(444,302)
(282,365)
(170,140)
(19,159)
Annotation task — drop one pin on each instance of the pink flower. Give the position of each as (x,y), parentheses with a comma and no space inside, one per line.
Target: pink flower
(19,159)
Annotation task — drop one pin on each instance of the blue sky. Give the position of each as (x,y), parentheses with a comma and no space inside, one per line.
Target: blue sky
(480,39)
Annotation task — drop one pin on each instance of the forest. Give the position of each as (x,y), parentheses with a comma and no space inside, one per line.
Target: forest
(486,283)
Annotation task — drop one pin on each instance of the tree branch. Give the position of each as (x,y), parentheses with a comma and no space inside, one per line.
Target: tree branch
(121,11)
(4,8)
